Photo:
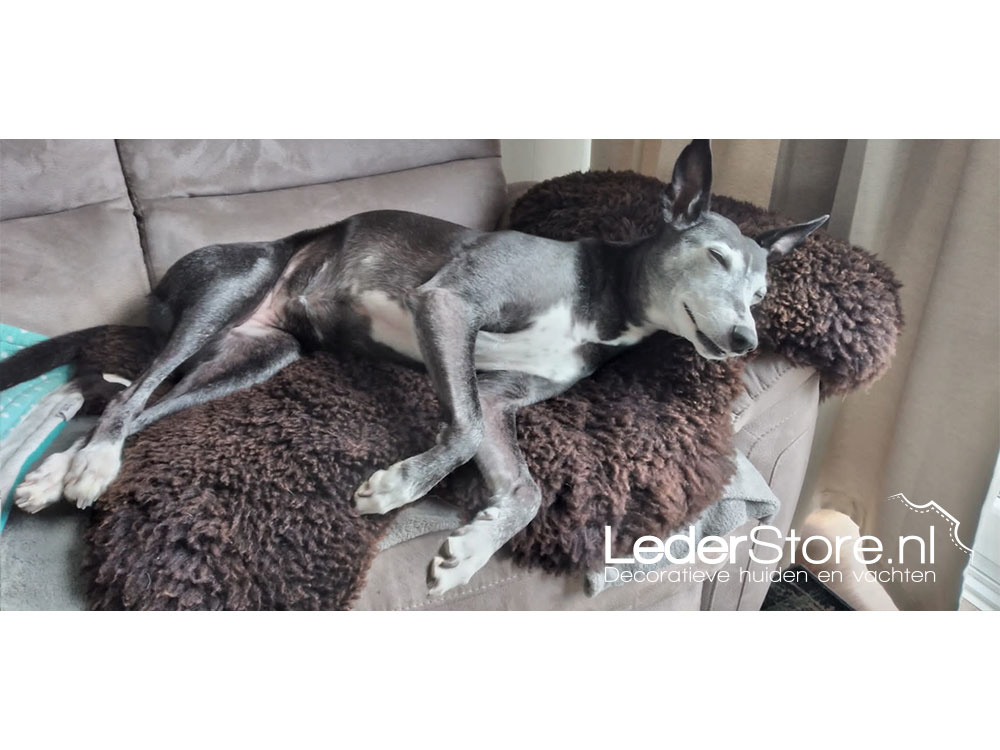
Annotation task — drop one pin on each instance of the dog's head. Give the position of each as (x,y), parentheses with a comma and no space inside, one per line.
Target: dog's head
(707,275)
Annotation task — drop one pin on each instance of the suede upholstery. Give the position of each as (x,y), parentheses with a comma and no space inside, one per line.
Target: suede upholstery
(43,177)
(71,256)
(188,168)
(468,192)
(67,226)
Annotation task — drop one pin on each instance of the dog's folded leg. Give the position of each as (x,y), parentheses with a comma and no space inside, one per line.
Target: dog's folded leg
(203,294)
(446,331)
(239,359)
(516,497)
(470,547)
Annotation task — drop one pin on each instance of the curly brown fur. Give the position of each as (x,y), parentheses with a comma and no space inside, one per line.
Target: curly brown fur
(244,502)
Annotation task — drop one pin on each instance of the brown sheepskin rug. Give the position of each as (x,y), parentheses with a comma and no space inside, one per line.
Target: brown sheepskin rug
(244,503)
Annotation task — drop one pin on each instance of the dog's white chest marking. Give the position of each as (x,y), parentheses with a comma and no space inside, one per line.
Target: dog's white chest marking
(548,346)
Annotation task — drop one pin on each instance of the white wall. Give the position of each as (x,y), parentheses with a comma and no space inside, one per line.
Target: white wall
(541,159)
(982,576)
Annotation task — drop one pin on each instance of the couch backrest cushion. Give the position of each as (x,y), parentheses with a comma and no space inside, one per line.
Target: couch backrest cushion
(71,251)
(191,168)
(43,177)
(195,193)
(70,255)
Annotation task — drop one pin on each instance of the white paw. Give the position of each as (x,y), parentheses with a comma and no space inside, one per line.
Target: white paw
(44,486)
(462,555)
(385,490)
(92,470)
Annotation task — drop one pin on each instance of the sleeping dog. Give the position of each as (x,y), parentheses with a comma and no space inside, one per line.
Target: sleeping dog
(500,320)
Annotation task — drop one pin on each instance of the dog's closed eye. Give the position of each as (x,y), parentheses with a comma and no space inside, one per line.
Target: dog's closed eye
(720,256)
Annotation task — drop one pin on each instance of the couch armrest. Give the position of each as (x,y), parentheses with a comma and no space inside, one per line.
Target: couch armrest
(774,420)
(767,379)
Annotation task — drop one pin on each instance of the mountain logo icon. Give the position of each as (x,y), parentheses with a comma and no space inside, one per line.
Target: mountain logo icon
(931,506)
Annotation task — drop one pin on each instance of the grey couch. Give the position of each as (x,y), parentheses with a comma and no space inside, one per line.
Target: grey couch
(88,226)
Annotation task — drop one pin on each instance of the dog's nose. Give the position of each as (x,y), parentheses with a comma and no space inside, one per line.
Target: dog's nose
(742,339)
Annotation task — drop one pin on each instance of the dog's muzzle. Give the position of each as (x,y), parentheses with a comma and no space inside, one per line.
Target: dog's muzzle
(741,339)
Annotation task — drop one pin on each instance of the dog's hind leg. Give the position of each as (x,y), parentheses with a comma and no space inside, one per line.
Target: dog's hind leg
(515,495)
(95,466)
(243,357)
(43,486)
(212,291)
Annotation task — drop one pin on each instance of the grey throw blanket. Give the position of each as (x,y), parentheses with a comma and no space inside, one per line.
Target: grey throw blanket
(747,497)
(55,408)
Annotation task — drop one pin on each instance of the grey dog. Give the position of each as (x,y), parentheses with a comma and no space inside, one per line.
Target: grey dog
(500,320)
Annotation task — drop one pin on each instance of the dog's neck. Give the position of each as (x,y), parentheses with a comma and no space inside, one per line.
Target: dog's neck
(627,283)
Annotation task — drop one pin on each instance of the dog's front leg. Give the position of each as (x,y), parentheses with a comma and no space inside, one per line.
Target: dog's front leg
(446,331)
(515,495)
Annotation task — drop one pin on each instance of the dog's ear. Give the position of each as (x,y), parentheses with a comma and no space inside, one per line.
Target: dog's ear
(690,190)
(781,241)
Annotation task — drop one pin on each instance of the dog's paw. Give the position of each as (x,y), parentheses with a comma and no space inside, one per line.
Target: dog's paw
(462,555)
(44,486)
(385,490)
(92,470)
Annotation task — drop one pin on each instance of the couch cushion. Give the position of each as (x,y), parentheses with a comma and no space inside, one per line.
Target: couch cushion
(73,269)
(397,581)
(185,168)
(470,192)
(69,245)
(42,177)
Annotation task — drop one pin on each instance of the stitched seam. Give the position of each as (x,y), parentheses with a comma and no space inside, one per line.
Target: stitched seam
(707,606)
(458,596)
(140,223)
(746,579)
(739,413)
(774,427)
(782,367)
(770,479)
(188,196)
(764,387)
(65,210)
(777,459)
